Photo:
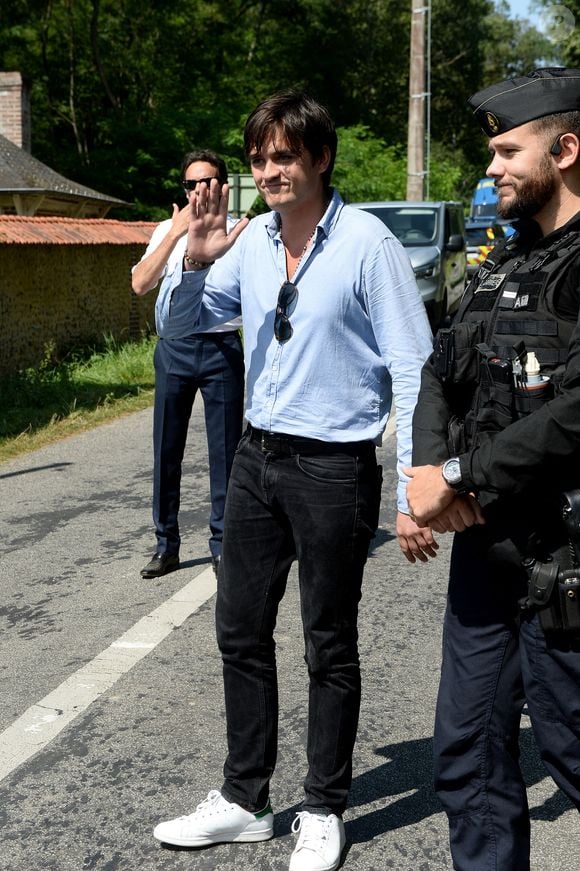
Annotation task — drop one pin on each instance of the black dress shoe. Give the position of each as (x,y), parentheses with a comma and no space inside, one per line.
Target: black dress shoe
(215,564)
(161,564)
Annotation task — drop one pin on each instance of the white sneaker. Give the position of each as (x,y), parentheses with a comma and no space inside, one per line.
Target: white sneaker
(216,821)
(320,842)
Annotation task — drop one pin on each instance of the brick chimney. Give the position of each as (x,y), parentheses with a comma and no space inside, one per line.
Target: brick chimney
(15,110)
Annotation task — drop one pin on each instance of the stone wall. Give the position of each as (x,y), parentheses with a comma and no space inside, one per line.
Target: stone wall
(56,296)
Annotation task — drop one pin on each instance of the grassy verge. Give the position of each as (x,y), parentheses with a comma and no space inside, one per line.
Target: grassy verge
(88,387)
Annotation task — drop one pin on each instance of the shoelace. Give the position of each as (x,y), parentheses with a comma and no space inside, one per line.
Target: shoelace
(313,829)
(209,804)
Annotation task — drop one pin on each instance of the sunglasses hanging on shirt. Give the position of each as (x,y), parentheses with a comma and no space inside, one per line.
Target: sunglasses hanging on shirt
(286,298)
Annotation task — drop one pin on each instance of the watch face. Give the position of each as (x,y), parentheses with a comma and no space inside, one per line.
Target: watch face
(452,472)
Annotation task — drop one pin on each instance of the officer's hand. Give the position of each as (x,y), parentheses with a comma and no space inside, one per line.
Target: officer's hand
(416,544)
(428,494)
(207,236)
(464,511)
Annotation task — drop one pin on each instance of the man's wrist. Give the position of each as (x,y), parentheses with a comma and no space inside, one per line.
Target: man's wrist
(452,475)
(192,264)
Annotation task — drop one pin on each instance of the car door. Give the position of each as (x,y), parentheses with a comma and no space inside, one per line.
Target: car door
(454,260)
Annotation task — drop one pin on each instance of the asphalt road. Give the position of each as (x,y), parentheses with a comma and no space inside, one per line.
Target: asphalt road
(111,715)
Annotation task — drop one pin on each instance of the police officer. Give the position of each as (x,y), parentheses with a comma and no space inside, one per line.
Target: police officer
(496,442)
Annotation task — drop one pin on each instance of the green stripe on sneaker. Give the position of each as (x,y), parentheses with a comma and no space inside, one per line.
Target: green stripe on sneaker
(262,813)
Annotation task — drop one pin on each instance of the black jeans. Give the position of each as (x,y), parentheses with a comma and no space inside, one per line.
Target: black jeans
(321,509)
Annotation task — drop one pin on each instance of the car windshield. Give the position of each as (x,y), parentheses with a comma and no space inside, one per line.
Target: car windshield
(413,225)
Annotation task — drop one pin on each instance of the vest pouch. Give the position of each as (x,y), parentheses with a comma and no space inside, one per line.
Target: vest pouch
(528,400)
(496,409)
(455,357)
(456,438)
(569,591)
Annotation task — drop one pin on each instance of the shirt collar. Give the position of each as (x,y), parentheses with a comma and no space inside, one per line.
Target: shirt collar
(326,223)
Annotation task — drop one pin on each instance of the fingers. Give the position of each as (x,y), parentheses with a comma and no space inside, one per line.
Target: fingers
(211,199)
(430,548)
(438,526)
(410,555)
(420,546)
(208,237)
(476,508)
(463,512)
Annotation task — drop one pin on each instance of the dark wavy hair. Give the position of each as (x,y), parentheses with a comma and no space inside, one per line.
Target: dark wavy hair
(207,157)
(304,122)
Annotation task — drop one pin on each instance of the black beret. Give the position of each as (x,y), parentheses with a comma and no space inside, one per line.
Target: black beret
(508,104)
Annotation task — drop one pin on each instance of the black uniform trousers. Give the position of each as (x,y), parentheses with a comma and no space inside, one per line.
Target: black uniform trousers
(212,363)
(494,661)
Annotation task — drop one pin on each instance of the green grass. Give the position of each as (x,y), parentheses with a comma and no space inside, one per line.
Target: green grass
(86,388)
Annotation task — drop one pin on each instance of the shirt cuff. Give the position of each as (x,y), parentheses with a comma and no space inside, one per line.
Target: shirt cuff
(402,504)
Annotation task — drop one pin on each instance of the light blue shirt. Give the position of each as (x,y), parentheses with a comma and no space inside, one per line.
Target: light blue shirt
(360,330)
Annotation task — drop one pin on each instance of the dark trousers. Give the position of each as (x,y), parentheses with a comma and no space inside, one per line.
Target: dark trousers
(493,662)
(321,509)
(213,364)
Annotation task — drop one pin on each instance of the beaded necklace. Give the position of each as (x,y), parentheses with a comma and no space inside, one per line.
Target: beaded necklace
(304,250)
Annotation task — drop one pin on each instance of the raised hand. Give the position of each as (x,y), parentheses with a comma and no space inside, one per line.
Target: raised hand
(207,235)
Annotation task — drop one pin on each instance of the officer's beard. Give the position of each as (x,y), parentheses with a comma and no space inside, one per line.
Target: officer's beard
(532,193)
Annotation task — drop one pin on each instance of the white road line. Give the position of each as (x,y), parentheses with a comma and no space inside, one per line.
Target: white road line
(42,722)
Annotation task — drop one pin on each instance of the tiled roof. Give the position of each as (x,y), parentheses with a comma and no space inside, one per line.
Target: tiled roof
(21,173)
(17,230)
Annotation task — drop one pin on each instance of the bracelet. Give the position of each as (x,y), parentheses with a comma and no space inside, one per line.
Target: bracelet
(197,264)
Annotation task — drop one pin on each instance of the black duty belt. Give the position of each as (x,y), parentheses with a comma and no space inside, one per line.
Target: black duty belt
(287,445)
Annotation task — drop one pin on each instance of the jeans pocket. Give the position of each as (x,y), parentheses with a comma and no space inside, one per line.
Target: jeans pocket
(243,441)
(334,468)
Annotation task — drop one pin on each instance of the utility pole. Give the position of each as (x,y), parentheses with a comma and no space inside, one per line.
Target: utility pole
(417,95)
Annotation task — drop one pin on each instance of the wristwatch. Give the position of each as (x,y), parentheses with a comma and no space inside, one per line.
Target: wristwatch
(451,471)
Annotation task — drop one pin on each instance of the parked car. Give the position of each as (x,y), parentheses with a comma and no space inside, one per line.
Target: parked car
(481,237)
(433,235)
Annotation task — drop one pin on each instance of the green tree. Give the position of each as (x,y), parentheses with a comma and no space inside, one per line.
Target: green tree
(563,32)
(121,88)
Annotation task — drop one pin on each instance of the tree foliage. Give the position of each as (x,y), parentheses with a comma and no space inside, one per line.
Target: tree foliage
(563,26)
(121,88)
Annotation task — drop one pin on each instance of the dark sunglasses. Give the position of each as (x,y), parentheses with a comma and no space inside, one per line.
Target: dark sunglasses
(190,184)
(282,326)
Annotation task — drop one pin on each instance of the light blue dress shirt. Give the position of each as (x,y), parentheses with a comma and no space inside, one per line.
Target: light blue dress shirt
(360,330)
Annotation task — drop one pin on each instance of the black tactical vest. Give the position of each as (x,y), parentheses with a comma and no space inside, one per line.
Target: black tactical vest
(515,292)
(507,310)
